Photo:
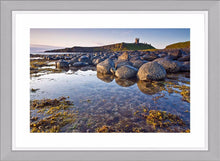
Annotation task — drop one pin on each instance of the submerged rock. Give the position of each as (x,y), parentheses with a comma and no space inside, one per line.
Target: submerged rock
(106,67)
(170,65)
(151,71)
(125,72)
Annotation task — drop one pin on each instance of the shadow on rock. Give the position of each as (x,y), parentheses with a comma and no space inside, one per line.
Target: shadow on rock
(105,77)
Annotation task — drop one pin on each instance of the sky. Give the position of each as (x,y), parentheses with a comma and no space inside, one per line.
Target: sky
(61,38)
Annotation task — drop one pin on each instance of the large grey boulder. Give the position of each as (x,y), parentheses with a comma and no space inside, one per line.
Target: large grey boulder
(151,71)
(170,65)
(62,64)
(126,72)
(106,67)
(124,56)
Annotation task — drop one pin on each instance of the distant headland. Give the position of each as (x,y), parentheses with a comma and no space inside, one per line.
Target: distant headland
(113,47)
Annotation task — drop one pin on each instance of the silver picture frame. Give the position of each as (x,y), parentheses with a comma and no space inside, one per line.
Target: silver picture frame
(213,8)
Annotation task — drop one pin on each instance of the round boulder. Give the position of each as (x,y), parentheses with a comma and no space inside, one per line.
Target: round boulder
(106,67)
(124,56)
(126,72)
(62,64)
(84,59)
(170,65)
(151,71)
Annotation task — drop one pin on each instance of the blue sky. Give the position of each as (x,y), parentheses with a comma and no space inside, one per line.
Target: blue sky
(159,38)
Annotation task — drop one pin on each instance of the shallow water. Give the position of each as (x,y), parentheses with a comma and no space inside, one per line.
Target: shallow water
(104,100)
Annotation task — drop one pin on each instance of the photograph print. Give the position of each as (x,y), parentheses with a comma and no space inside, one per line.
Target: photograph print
(110,80)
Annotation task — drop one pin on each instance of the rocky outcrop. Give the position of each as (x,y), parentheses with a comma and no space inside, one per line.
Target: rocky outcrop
(151,71)
(126,72)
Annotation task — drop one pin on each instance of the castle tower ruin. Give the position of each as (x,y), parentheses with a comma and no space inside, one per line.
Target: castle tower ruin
(137,41)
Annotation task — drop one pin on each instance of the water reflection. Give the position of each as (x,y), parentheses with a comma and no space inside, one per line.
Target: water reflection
(149,88)
(106,103)
(125,82)
(105,77)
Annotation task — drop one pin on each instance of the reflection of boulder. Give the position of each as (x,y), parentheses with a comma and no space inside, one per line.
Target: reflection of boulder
(105,77)
(125,82)
(149,88)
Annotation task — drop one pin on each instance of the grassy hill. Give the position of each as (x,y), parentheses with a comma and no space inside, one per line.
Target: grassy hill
(179,45)
(114,47)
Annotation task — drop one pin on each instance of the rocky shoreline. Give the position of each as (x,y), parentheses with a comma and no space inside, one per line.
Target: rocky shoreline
(147,66)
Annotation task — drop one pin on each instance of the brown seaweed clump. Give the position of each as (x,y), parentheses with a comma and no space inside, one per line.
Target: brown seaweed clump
(54,114)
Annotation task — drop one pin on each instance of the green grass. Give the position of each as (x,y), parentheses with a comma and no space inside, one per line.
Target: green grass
(179,45)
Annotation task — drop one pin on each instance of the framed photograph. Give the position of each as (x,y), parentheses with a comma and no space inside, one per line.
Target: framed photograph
(106,81)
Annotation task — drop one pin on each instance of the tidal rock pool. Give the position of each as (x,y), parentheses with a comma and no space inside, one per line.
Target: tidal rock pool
(84,101)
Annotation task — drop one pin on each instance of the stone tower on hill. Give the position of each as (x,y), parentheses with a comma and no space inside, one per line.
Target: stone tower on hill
(137,41)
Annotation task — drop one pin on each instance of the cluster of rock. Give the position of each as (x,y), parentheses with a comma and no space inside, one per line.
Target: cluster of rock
(146,66)
(124,65)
